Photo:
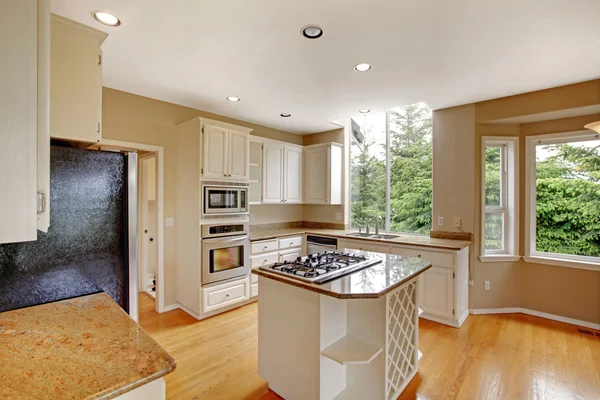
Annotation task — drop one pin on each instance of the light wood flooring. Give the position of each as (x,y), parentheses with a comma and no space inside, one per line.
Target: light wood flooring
(506,356)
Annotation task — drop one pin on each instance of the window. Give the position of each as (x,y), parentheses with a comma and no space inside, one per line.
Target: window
(390,170)
(499,199)
(563,199)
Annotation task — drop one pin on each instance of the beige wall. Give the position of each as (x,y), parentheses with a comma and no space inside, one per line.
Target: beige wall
(132,118)
(274,213)
(457,133)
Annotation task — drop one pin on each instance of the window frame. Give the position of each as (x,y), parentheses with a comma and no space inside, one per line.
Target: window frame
(509,199)
(531,255)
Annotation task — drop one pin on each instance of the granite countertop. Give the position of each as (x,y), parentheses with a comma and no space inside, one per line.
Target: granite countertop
(369,283)
(405,239)
(81,348)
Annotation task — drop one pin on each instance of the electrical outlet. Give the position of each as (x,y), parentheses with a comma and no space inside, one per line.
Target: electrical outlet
(487,285)
(457,222)
(471,283)
(338,216)
(170,222)
(251,217)
(440,221)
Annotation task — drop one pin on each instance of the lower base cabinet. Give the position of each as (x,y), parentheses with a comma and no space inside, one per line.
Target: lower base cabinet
(436,292)
(215,297)
(254,289)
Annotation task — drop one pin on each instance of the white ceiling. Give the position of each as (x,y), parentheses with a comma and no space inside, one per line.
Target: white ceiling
(442,52)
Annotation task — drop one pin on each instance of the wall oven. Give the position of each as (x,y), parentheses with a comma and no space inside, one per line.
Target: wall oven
(225,252)
(225,199)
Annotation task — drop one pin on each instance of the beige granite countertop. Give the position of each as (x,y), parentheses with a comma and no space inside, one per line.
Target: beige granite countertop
(369,283)
(411,240)
(81,348)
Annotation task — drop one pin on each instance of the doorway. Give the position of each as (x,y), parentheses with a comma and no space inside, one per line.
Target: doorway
(148,224)
(147,151)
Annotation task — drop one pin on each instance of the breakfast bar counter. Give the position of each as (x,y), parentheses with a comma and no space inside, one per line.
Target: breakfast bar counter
(354,337)
(81,348)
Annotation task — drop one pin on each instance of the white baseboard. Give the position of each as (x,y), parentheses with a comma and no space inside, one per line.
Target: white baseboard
(171,307)
(512,310)
(439,320)
(462,318)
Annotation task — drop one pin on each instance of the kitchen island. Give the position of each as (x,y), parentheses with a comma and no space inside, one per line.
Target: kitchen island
(354,337)
(81,348)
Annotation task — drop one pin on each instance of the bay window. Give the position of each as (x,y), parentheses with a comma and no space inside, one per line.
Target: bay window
(499,199)
(563,199)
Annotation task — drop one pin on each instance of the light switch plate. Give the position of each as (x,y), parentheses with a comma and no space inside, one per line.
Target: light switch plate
(457,222)
(440,221)
(170,222)
(338,216)
(487,285)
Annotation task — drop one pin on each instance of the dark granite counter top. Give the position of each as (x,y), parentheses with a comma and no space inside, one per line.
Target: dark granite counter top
(369,283)
(81,348)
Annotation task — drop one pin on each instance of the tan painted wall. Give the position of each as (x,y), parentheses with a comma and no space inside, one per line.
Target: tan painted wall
(132,118)
(457,161)
(273,213)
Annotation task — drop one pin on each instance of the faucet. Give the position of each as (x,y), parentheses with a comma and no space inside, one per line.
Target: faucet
(377,221)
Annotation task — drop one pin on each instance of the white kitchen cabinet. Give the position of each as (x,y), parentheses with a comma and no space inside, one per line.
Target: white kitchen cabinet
(272,173)
(76,81)
(24,118)
(323,174)
(436,292)
(226,151)
(363,245)
(292,175)
(226,294)
(289,255)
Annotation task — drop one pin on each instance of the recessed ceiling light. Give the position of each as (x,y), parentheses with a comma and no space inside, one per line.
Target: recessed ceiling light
(233,98)
(312,32)
(106,18)
(285,115)
(364,111)
(362,67)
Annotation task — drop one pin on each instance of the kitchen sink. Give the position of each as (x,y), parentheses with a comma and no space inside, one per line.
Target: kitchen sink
(361,235)
(382,236)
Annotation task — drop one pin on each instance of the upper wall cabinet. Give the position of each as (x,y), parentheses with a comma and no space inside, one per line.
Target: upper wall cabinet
(323,174)
(226,151)
(76,81)
(24,119)
(292,175)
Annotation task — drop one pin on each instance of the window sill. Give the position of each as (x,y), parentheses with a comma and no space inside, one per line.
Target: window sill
(499,258)
(560,262)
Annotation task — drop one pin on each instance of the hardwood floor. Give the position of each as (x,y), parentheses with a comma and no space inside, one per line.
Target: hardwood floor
(506,356)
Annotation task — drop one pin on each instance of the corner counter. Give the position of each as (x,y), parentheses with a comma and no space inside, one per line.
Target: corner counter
(80,348)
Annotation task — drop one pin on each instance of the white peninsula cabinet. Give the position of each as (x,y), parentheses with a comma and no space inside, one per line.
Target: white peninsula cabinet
(276,172)
(76,81)
(226,151)
(323,174)
(24,119)
(443,289)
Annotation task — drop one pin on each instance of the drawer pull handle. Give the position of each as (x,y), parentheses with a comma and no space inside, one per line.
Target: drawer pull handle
(418,255)
(265,261)
(227,295)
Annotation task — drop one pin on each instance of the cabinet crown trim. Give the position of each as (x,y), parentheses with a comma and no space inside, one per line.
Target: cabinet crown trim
(225,125)
(98,34)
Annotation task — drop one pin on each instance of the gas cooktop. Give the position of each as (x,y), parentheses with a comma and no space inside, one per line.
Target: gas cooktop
(321,267)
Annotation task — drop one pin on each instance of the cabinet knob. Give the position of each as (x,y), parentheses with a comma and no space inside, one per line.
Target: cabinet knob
(265,261)
(227,295)
(224,174)
(265,247)
(418,256)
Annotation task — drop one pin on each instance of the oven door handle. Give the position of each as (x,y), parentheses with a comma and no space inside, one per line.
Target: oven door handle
(219,240)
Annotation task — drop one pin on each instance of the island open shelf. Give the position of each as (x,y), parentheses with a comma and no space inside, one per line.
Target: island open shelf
(326,342)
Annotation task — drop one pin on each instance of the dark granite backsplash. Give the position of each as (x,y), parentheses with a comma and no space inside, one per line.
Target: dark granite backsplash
(84,249)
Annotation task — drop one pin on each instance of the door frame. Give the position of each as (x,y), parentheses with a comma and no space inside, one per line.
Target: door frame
(159,151)
(143,248)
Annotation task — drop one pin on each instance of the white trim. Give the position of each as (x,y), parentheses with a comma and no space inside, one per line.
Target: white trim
(171,307)
(531,255)
(490,258)
(449,322)
(559,262)
(160,159)
(553,317)
(509,207)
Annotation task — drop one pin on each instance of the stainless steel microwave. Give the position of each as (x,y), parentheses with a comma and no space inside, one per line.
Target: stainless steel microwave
(225,199)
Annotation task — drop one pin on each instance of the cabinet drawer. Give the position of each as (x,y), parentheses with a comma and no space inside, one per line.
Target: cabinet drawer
(254,290)
(290,242)
(263,259)
(438,259)
(363,245)
(289,255)
(264,246)
(224,295)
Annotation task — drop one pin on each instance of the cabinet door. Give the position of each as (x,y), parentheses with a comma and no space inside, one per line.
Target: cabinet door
(76,81)
(18,121)
(272,173)
(317,176)
(215,152)
(436,292)
(238,155)
(292,179)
